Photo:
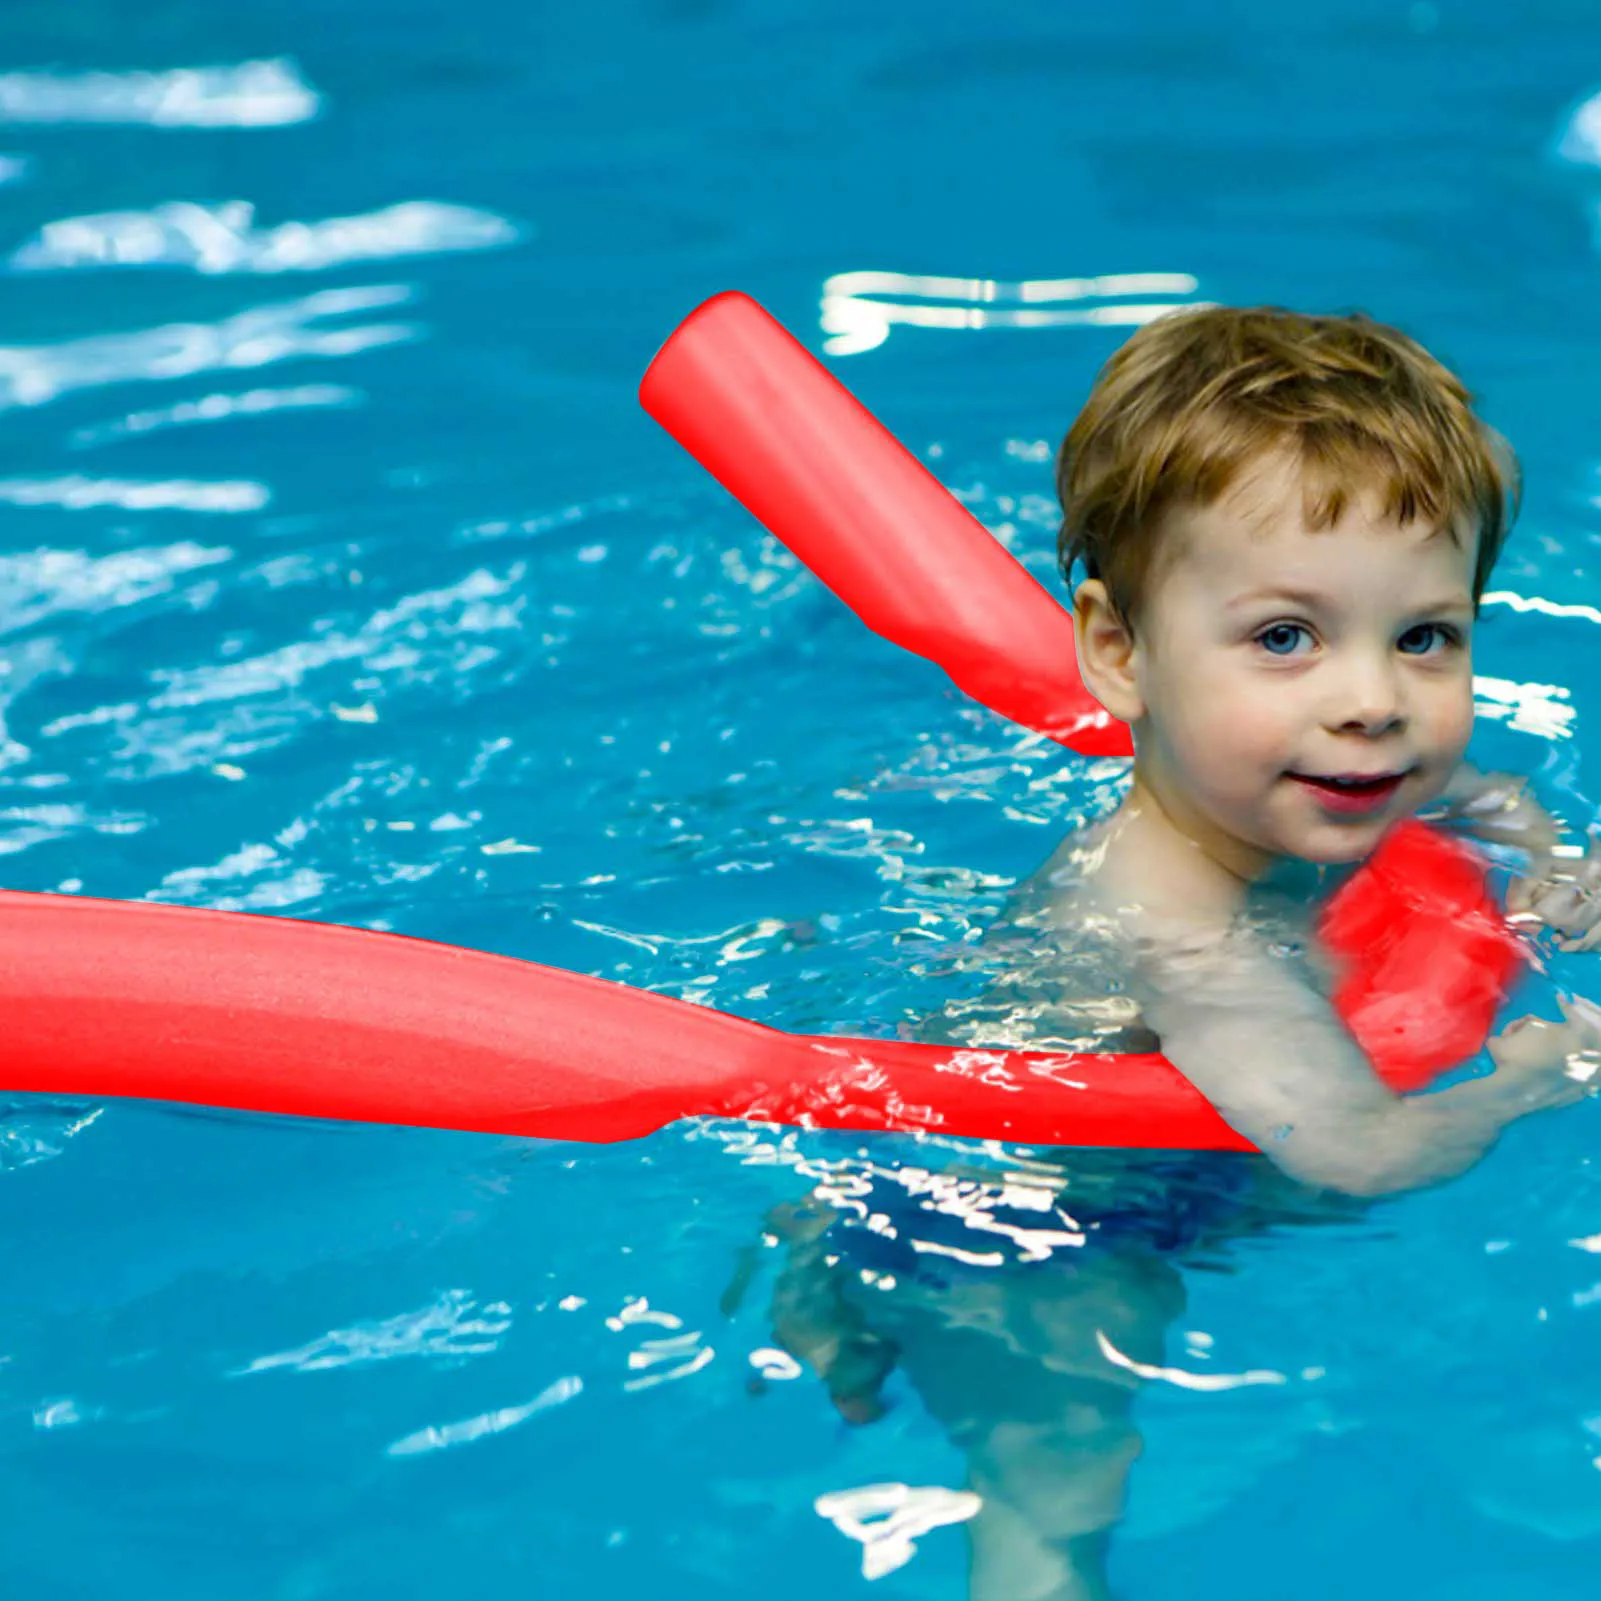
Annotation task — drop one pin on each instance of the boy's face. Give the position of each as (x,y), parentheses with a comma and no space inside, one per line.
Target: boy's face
(1302,690)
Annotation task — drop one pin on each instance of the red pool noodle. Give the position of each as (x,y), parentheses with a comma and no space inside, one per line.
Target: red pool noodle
(103,998)
(801,453)
(227,1009)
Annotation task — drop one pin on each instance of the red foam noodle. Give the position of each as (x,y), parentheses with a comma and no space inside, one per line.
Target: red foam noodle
(268,1014)
(795,447)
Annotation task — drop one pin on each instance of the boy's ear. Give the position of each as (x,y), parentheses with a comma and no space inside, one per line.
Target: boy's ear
(1107,653)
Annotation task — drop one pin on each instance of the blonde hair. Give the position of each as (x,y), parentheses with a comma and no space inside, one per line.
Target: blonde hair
(1200,395)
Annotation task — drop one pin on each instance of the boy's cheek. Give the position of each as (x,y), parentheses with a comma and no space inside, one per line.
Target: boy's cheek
(1457,729)
(1235,723)
(1233,749)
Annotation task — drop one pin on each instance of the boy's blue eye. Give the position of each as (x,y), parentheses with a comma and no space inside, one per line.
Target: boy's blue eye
(1423,638)
(1282,638)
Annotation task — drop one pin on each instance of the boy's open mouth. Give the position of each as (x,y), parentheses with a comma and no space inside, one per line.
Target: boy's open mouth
(1351,792)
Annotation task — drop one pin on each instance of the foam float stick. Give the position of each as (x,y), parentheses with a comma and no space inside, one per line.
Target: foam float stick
(267,1014)
(225,1009)
(800,452)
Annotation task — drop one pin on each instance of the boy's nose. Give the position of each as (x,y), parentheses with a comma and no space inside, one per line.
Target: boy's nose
(1369,702)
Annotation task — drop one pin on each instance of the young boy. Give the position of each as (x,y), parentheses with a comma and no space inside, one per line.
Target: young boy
(1286,523)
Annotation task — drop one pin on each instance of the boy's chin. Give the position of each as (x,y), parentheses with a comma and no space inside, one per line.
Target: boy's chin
(1341,846)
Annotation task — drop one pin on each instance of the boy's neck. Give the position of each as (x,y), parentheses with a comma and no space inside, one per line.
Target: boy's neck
(1177,868)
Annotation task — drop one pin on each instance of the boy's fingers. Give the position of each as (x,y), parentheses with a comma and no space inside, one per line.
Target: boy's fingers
(1581,1015)
(1567,899)
(1552,910)
(1575,923)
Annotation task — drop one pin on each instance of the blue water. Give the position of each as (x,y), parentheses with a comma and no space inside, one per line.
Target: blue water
(341,577)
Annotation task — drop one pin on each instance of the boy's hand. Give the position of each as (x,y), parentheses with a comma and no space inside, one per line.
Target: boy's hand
(1562,893)
(1500,809)
(1544,1065)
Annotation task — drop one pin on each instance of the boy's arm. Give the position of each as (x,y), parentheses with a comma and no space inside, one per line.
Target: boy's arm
(1270,1054)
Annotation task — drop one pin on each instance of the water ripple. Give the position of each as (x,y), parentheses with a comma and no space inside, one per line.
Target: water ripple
(442,1436)
(215,408)
(39,1130)
(34,375)
(39,584)
(453,1326)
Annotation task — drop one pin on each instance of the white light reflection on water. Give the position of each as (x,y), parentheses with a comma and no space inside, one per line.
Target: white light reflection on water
(471,606)
(441,1436)
(682,1349)
(848,1184)
(889,1518)
(36,1132)
(744,942)
(25,826)
(34,375)
(1580,145)
(1581,139)
(1538,603)
(987,1177)
(37,584)
(249,94)
(1527,708)
(74,492)
(1184,1379)
(860,308)
(63,1414)
(685,1351)
(448,1328)
(285,886)
(217,408)
(1544,710)
(221,239)
(774,1365)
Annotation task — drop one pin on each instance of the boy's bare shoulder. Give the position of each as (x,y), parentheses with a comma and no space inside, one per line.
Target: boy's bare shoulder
(1116,928)
(1190,939)
(1053,967)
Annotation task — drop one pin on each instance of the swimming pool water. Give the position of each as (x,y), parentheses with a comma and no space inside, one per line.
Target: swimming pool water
(341,577)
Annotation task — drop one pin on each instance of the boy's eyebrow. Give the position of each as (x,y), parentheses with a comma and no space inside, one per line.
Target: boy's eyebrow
(1460,600)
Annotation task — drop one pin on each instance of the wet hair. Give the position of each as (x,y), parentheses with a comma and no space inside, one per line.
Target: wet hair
(1199,396)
